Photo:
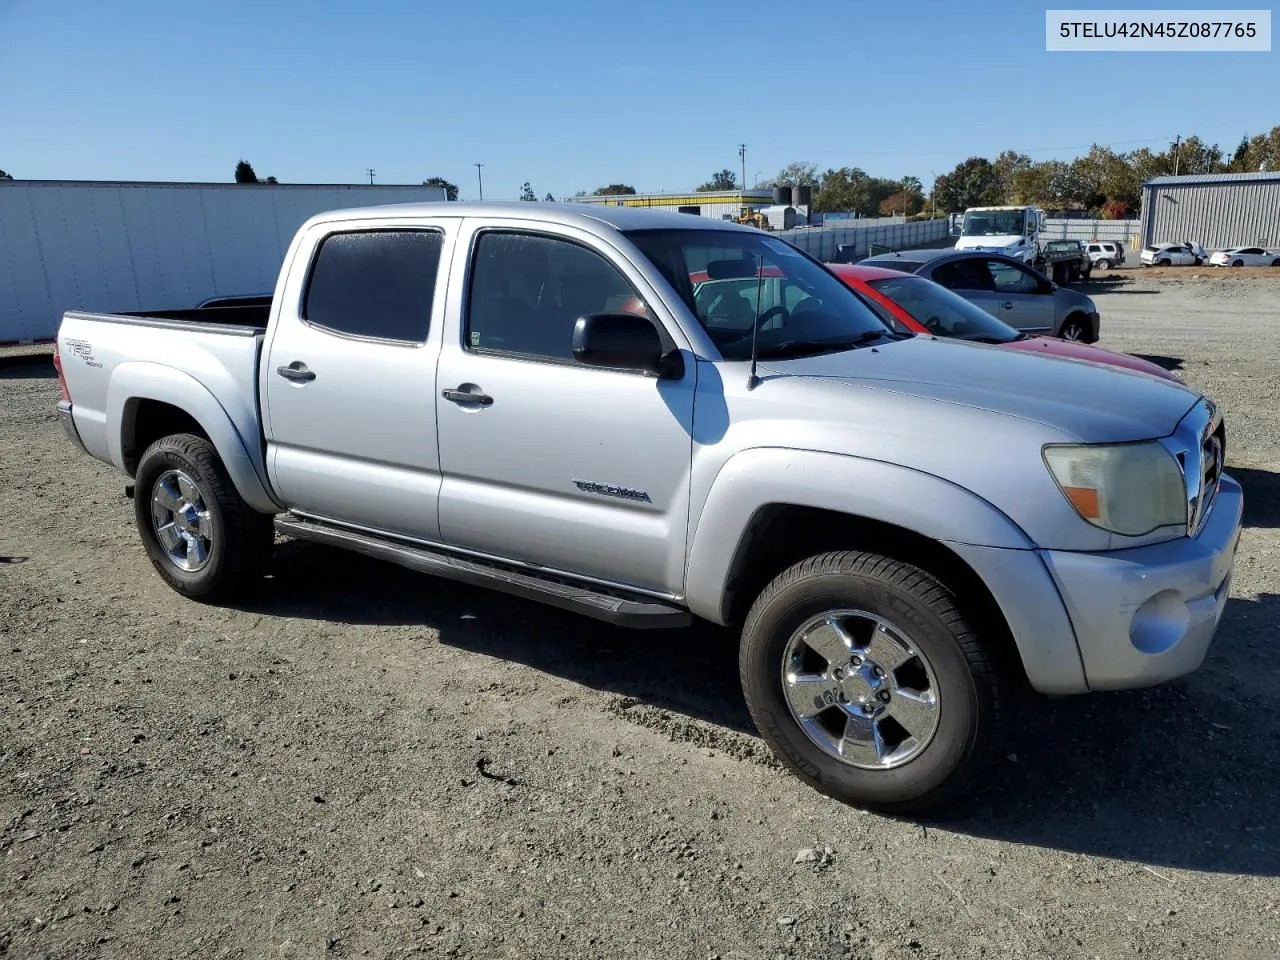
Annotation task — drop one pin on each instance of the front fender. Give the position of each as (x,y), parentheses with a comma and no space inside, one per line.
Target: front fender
(140,380)
(755,479)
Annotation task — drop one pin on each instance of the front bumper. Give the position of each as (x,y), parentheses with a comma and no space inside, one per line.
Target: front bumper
(1117,619)
(69,424)
(1147,615)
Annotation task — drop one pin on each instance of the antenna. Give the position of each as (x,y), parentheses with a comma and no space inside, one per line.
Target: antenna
(752,380)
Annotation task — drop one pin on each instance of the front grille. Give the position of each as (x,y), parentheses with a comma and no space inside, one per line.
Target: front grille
(1212,459)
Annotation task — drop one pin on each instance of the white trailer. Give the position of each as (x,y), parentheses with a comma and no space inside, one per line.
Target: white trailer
(117,247)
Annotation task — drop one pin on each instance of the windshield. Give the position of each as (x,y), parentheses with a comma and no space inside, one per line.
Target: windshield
(942,312)
(993,223)
(736,282)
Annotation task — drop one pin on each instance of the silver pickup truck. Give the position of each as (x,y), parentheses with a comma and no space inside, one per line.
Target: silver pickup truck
(650,418)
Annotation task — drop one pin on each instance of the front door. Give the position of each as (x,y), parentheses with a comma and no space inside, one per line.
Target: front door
(349,382)
(574,468)
(1023,298)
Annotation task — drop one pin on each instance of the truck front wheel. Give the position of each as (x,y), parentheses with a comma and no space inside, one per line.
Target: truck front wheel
(868,682)
(201,537)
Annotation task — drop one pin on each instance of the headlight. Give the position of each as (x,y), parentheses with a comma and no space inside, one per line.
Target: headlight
(1127,488)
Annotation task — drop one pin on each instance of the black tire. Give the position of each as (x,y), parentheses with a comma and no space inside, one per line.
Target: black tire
(970,683)
(1238,263)
(240,538)
(1164,263)
(1276,262)
(1103,264)
(1077,324)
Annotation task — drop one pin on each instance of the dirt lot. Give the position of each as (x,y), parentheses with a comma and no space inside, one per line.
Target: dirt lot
(371,763)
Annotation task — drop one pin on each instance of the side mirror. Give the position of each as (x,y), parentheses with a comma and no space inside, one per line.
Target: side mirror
(624,341)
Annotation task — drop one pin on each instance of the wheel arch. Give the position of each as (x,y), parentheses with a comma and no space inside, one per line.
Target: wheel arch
(151,400)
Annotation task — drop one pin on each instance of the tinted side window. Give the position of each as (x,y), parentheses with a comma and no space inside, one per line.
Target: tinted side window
(1010,279)
(375,283)
(964,275)
(527,293)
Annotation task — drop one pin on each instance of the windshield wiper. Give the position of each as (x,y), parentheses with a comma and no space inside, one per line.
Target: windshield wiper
(800,348)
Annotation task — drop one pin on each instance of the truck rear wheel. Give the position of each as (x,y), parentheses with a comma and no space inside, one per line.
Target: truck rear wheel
(869,684)
(201,537)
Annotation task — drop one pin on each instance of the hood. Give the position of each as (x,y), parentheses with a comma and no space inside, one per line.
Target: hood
(1074,350)
(1087,402)
(988,244)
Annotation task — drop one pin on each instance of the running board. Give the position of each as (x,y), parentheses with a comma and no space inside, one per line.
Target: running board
(626,610)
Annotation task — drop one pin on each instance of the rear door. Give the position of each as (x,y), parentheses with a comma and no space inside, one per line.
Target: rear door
(349,378)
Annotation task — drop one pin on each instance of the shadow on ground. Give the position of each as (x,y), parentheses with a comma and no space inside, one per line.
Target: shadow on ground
(1165,776)
(1261,495)
(27,366)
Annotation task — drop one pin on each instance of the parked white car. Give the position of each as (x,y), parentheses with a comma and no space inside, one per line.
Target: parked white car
(1245,257)
(1105,253)
(1172,255)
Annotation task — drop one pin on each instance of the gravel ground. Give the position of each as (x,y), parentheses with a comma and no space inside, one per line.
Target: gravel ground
(373,763)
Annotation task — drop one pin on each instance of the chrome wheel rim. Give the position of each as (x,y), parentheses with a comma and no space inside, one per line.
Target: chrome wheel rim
(1071,332)
(181,521)
(860,689)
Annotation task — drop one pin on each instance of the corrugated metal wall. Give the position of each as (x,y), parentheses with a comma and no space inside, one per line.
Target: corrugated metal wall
(822,242)
(1216,215)
(118,247)
(1117,231)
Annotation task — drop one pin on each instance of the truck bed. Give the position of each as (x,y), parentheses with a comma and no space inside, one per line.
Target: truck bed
(214,318)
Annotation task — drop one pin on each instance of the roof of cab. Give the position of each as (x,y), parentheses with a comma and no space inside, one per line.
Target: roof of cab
(581,214)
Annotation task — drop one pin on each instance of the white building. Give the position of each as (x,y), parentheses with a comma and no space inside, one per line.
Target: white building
(715,204)
(125,246)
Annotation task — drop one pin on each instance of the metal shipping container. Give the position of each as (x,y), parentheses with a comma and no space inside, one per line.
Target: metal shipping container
(1217,210)
(120,246)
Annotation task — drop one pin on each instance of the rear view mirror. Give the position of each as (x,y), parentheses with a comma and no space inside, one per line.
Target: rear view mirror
(732,269)
(624,341)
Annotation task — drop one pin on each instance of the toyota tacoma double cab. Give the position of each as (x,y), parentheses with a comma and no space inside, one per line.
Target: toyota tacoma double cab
(906,530)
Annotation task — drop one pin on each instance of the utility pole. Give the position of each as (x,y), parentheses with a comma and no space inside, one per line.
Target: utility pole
(480,179)
(742,155)
(370,171)
(1177,143)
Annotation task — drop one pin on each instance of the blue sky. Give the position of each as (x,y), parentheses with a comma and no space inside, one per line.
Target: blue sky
(572,95)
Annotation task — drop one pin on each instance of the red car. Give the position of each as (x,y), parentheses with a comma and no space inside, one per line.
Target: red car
(915,305)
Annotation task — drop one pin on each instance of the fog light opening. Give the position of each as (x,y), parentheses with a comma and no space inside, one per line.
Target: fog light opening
(1160,623)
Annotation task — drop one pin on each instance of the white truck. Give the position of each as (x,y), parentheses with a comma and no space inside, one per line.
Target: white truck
(1012,231)
(905,529)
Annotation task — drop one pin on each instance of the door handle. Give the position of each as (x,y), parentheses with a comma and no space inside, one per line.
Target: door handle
(1006,305)
(466,396)
(297,372)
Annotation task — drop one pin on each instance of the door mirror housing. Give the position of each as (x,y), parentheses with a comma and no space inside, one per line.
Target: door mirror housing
(625,341)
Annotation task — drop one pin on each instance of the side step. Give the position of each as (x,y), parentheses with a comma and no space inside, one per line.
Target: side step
(626,610)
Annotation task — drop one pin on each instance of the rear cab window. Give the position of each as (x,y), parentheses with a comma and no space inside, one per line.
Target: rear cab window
(375,284)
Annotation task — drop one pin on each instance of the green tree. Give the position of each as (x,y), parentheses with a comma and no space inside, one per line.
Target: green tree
(613,189)
(972,183)
(271,180)
(244,172)
(1032,184)
(912,185)
(795,174)
(5,176)
(1193,155)
(527,194)
(723,180)
(450,189)
(548,198)
(1006,166)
